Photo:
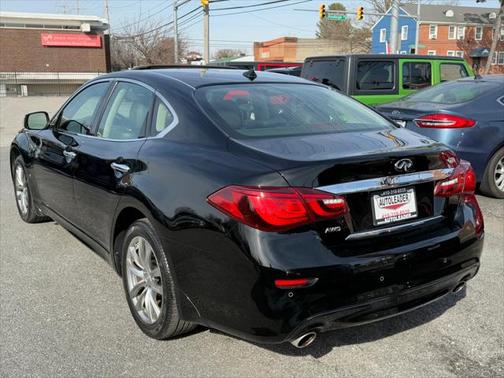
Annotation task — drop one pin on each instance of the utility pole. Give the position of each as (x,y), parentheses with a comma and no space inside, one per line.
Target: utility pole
(175,32)
(206,30)
(176,5)
(417,34)
(78,7)
(394,23)
(106,12)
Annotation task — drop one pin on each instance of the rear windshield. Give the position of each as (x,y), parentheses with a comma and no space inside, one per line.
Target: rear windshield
(454,92)
(269,110)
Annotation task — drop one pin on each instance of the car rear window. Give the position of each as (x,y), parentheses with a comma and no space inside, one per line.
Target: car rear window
(268,110)
(454,92)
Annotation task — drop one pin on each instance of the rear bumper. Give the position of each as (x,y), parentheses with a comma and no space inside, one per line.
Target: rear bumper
(384,307)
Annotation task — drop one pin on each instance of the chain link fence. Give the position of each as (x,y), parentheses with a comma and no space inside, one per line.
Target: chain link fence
(43,83)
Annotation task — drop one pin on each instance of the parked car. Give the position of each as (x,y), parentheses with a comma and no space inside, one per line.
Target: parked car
(378,79)
(263,205)
(468,116)
(294,71)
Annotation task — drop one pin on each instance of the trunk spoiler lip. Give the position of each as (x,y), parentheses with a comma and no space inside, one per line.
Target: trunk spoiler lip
(387,182)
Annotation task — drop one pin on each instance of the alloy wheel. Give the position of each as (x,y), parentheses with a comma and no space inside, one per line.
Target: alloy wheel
(499,174)
(145,286)
(22,194)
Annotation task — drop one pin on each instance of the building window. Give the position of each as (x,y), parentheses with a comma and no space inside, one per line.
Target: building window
(478,34)
(452,31)
(432,31)
(403,52)
(494,57)
(431,52)
(383,35)
(500,58)
(461,32)
(460,54)
(404,33)
(502,34)
(450,53)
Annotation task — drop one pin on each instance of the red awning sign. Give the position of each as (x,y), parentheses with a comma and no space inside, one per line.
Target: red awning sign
(71,40)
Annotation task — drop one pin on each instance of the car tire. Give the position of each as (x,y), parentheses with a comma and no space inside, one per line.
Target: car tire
(492,183)
(149,284)
(23,193)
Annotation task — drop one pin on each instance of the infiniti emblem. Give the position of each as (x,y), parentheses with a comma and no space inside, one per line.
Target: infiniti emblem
(403,165)
(395,112)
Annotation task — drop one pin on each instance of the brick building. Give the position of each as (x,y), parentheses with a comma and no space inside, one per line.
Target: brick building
(50,53)
(443,30)
(292,49)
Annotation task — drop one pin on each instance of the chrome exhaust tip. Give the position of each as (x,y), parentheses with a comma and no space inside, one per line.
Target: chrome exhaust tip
(460,286)
(305,340)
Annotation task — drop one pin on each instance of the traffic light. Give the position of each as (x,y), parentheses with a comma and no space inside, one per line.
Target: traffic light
(360,13)
(204,3)
(322,13)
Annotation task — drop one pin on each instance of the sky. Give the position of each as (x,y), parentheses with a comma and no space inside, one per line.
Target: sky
(237,31)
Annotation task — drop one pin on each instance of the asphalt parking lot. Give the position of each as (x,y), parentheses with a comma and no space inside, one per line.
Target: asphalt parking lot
(63,313)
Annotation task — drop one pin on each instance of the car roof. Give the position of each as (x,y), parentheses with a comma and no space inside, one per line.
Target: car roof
(488,78)
(387,56)
(198,77)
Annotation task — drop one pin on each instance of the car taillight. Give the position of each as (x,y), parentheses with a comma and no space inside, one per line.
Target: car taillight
(277,208)
(478,215)
(450,159)
(295,283)
(444,121)
(462,180)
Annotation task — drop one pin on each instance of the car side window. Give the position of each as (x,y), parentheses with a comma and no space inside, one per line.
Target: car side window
(416,75)
(328,72)
(452,71)
(162,118)
(127,112)
(78,114)
(375,75)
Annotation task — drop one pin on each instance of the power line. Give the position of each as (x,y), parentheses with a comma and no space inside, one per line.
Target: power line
(262,9)
(149,15)
(156,28)
(249,5)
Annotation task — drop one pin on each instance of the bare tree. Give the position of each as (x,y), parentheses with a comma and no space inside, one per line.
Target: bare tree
(227,53)
(495,37)
(379,6)
(141,44)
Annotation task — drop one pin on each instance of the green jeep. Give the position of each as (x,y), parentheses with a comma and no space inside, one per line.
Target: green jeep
(377,79)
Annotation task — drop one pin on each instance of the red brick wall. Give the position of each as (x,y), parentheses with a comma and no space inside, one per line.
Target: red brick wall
(21,50)
(442,44)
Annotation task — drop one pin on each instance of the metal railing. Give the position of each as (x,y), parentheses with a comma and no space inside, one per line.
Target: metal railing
(43,83)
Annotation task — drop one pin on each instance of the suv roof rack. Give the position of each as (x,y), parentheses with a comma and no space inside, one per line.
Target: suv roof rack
(158,66)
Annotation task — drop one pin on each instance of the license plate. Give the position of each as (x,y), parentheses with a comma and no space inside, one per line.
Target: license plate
(394,205)
(400,123)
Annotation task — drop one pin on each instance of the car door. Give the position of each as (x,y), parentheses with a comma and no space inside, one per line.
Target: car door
(107,160)
(54,162)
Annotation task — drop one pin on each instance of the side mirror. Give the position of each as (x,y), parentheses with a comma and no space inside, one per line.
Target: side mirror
(36,120)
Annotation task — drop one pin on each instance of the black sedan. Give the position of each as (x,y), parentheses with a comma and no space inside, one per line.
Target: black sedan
(263,205)
(468,116)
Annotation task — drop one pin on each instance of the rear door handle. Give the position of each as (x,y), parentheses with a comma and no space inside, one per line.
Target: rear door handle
(120,168)
(69,155)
